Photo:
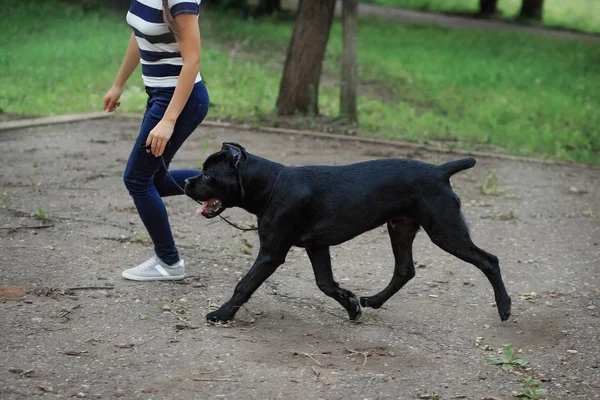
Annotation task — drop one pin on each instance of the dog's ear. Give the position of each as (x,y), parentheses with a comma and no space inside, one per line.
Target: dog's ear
(235,151)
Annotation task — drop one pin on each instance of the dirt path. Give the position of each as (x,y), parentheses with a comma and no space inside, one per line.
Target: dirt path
(83,330)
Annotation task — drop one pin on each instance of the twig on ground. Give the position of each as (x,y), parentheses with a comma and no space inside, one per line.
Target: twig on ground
(180,318)
(214,380)
(476,375)
(145,341)
(365,353)
(295,352)
(91,288)
(181,327)
(26,227)
(76,353)
(65,312)
(95,338)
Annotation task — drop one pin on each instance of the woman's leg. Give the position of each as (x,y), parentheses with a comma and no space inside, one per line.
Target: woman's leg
(144,174)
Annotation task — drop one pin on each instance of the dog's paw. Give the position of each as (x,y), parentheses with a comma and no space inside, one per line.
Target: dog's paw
(504,309)
(369,302)
(354,311)
(218,316)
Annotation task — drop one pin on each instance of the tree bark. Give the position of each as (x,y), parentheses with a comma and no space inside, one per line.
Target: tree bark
(299,87)
(531,9)
(488,7)
(349,67)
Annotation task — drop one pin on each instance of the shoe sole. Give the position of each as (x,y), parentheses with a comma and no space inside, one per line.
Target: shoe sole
(151,278)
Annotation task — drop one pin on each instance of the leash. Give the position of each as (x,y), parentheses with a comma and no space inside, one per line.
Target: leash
(164,165)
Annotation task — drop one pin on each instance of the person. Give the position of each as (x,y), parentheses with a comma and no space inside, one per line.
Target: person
(166,37)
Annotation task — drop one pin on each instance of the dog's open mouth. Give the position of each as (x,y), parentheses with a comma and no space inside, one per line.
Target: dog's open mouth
(210,208)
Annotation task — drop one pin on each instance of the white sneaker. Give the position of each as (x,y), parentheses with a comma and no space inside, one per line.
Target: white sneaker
(156,270)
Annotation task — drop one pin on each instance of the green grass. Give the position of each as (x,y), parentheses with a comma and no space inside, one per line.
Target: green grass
(501,91)
(583,15)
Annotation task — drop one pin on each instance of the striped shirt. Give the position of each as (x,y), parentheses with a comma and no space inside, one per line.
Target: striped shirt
(159,51)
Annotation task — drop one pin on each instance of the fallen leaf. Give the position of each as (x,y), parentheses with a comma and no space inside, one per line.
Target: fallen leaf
(528,296)
(574,190)
(12,293)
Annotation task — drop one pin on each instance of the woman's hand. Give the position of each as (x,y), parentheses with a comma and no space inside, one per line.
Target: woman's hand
(159,137)
(111,99)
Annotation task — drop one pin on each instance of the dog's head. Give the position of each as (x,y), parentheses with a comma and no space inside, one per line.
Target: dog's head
(218,186)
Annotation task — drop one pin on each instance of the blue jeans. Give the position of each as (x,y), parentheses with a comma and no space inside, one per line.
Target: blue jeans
(146,178)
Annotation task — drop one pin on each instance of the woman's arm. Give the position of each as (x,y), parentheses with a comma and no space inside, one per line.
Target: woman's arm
(130,62)
(189,46)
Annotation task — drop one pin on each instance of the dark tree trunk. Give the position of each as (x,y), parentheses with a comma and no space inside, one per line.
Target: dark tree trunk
(227,4)
(531,9)
(488,7)
(267,7)
(349,67)
(299,87)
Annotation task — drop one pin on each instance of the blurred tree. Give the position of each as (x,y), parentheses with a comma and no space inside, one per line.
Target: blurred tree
(531,9)
(487,7)
(349,68)
(299,86)
(227,4)
(96,4)
(266,7)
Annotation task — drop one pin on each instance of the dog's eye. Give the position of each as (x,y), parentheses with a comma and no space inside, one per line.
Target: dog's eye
(205,177)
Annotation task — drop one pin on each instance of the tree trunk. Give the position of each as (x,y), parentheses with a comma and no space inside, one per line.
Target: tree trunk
(487,7)
(349,67)
(299,87)
(531,9)
(267,7)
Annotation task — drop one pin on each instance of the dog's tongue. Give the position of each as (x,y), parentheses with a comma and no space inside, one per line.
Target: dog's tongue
(201,209)
(205,205)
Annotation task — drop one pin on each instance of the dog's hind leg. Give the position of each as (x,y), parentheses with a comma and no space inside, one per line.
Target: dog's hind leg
(447,229)
(321,263)
(402,232)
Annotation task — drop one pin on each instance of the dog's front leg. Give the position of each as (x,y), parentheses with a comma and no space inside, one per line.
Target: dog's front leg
(266,263)
(321,263)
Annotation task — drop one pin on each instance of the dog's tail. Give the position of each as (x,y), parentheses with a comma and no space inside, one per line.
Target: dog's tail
(453,167)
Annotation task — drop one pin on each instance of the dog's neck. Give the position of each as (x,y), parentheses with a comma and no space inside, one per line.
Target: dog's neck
(261,176)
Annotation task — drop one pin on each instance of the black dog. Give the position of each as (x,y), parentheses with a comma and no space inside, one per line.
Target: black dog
(316,207)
